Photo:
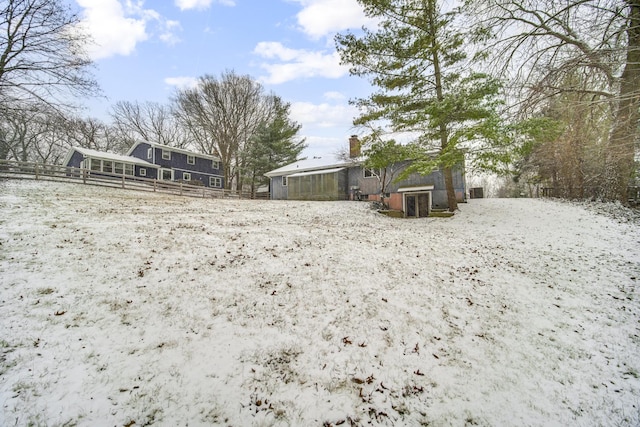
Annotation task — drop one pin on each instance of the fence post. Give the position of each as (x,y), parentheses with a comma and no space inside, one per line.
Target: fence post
(35,170)
(122,181)
(154,185)
(181,188)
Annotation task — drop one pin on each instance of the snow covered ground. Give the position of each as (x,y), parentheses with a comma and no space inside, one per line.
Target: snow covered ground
(128,309)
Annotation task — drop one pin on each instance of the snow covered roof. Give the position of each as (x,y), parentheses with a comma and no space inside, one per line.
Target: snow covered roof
(313,164)
(174,149)
(315,172)
(107,156)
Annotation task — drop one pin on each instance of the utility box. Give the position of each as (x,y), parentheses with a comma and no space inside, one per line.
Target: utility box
(476,193)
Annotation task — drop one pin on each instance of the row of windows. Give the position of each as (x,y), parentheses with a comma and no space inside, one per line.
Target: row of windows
(191,159)
(167,174)
(110,166)
(367,173)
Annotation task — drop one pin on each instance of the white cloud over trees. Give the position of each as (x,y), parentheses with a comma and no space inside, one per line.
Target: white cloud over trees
(286,64)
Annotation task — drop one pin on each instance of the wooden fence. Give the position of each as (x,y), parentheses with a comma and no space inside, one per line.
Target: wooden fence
(38,171)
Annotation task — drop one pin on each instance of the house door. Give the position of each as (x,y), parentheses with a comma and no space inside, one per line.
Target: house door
(165,174)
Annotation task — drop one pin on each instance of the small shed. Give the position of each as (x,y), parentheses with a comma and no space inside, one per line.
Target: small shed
(416,201)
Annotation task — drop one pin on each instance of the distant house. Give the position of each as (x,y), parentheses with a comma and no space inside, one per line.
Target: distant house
(153,161)
(100,161)
(331,179)
(175,164)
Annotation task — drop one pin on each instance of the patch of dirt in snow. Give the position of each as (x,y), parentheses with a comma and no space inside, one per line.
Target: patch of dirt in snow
(126,308)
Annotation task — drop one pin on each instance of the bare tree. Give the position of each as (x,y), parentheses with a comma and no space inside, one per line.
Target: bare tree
(149,121)
(42,54)
(222,115)
(545,42)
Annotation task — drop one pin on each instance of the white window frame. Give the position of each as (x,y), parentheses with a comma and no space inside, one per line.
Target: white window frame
(191,159)
(186,176)
(115,168)
(129,169)
(96,165)
(161,173)
(149,152)
(105,163)
(215,164)
(143,172)
(166,154)
(215,182)
(369,173)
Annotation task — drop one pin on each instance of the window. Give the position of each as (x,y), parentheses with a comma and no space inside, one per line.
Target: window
(143,172)
(107,166)
(119,168)
(95,165)
(128,169)
(284,181)
(166,174)
(215,164)
(186,176)
(369,173)
(215,181)
(149,153)
(191,160)
(166,155)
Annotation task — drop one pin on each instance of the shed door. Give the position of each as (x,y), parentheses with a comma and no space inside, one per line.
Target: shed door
(423,205)
(411,206)
(417,205)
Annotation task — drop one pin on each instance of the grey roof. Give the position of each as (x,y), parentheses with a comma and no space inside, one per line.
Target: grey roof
(313,164)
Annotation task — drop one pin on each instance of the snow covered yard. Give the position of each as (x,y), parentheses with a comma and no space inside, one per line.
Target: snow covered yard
(128,309)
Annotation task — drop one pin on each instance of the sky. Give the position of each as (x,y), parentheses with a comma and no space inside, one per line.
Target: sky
(145,50)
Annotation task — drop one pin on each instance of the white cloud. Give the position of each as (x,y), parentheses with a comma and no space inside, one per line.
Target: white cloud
(320,18)
(168,33)
(201,4)
(118,26)
(113,33)
(323,115)
(182,82)
(297,63)
(334,96)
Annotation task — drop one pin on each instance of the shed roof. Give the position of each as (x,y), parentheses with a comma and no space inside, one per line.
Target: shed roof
(418,188)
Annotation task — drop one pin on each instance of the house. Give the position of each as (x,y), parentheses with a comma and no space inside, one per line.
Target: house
(100,161)
(335,179)
(177,164)
(152,161)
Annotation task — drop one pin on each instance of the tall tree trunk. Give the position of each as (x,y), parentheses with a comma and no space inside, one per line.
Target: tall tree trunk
(624,135)
(444,135)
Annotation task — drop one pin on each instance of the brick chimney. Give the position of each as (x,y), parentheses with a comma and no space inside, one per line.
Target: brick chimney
(354,146)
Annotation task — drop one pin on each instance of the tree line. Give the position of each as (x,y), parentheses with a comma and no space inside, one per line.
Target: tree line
(545,92)
(44,69)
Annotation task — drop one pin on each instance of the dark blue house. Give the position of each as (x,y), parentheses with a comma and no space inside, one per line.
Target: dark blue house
(152,161)
(113,164)
(177,164)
